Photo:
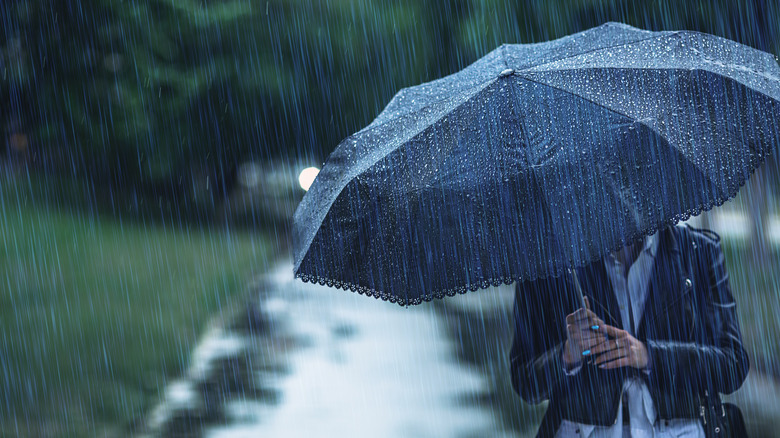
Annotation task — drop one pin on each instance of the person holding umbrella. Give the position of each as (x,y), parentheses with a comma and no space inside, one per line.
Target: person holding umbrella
(659,341)
(532,164)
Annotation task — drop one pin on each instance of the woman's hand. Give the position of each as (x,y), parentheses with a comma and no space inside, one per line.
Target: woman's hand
(621,350)
(584,332)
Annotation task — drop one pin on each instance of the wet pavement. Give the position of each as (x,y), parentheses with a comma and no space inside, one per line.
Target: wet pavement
(368,368)
(342,365)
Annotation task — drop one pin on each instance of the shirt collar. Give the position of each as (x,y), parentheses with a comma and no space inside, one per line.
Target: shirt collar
(650,246)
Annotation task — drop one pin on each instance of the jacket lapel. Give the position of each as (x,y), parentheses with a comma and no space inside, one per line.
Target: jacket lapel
(598,288)
(665,286)
(666,280)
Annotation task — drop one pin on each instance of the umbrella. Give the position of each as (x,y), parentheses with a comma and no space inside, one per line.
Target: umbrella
(535,159)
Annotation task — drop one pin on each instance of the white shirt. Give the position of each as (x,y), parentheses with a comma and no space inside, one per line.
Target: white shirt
(641,409)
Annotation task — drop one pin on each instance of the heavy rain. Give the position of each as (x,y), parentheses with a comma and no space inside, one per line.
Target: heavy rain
(452,218)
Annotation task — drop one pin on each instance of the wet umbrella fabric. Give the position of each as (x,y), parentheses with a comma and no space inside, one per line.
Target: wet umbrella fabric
(536,158)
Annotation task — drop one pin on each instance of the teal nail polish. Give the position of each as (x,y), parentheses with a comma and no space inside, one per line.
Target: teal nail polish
(594,327)
(586,352)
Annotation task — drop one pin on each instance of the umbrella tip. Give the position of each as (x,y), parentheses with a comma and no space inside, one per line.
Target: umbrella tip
(506,72)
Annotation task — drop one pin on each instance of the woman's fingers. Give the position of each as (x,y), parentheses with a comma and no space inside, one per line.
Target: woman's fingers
(584,339)
(611,355)
(584,329)
(580,333)
(592,346)
(618,363)
(592,339)
(594,322)
(577,316)
(585,318)
(605,345)
(614,332)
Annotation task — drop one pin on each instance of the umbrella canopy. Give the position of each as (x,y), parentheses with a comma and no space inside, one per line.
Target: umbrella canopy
(536,158)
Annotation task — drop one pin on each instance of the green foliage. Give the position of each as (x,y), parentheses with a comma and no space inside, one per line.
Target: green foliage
(100,314)
(130,91)
(135,91)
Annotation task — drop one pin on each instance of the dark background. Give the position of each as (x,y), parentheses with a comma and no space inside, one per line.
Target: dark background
(141,98)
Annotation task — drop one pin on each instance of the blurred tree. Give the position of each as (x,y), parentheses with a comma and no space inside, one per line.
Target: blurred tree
(161,94)
(167,97)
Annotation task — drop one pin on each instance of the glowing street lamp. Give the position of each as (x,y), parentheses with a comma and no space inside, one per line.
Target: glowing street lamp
(306,178)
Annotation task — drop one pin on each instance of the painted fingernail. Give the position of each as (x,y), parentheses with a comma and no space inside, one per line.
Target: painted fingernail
(594,327)
(586,352)
(601,366)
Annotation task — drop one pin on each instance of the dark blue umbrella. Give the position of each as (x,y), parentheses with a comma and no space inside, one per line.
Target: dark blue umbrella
(535,159)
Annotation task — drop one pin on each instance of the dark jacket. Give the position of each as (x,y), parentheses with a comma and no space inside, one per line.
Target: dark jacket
(689,326)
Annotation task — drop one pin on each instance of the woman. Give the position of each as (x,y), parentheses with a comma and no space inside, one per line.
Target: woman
(649,357)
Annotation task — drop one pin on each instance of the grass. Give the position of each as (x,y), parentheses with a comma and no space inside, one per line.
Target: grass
(96,313)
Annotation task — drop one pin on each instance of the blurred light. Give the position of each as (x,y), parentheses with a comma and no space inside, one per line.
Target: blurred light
(306,178)
(250,175)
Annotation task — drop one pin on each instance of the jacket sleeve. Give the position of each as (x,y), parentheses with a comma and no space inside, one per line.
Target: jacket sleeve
(717,359)
(536,357)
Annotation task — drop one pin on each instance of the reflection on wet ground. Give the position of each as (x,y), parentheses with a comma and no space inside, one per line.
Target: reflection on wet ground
(229,364)
(332,363)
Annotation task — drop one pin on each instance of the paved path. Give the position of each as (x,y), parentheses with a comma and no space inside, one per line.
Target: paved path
(369,368)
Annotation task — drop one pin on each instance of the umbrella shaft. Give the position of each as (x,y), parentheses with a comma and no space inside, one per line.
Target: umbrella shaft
(578,288)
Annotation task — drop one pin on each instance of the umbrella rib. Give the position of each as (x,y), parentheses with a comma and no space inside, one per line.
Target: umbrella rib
(370,128)
(612,110)
(503,48)
(599,49)
(524,75)
(589,100)
(635,119)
